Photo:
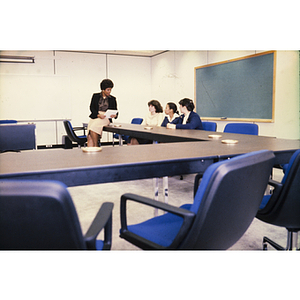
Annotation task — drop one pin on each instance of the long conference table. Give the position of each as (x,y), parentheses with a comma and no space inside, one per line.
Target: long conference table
(177,152)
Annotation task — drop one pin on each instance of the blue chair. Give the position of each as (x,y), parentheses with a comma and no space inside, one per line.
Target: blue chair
(40,215)
(78,139)
(282,207)
(17,137)
(224,207)
(125,137)
(243,128)
(209,126)
(8,121)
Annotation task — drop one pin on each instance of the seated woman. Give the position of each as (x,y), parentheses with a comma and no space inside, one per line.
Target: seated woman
(189,119)
(100,103)
(153,118)
(171,113)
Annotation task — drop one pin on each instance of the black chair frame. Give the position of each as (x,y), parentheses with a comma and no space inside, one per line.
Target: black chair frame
(282,212)
(202,230)
(187,216)
(70,130)
(40,215)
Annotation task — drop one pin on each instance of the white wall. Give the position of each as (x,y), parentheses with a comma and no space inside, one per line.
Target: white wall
(131,76)
(287,96)
(166,77)
(173,79)
(20,103)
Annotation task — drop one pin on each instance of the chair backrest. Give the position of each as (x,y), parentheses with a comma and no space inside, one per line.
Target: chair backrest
(227,200)
(137,121)
(38,215)
(283,208)
(209,126)
(243,128)
(8,121)
(72,135)
(17,137)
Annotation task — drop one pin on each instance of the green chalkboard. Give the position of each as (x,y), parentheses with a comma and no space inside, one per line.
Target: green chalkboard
(240,89)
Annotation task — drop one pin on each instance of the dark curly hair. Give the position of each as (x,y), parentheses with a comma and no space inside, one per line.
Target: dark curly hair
(173,106)
(105,84)
(157,105)
(188,103)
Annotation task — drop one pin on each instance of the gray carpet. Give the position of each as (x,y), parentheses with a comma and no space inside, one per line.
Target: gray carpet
(88,199)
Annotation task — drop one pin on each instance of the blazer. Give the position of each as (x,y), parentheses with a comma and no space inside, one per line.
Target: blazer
(166,120)
(94,106)
(193,122)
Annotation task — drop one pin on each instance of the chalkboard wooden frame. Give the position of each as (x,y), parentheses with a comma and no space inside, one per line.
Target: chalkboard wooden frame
(241,89)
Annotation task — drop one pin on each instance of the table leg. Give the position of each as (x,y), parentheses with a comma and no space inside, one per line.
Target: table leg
(155,186)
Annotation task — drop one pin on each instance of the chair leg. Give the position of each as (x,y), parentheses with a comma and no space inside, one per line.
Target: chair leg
(166,188)
(272,243)
(156,190)
(155,186)
(292,242)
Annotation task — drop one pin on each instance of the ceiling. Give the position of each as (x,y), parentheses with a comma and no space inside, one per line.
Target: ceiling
(146,53)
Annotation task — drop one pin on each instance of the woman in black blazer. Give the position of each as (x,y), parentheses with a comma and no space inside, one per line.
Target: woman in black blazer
(100,103)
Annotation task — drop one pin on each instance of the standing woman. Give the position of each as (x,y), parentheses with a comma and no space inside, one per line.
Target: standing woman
(189,119)
(100,103)
(171,113)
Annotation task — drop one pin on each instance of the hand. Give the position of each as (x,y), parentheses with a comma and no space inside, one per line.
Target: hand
(113,116)
(101,115)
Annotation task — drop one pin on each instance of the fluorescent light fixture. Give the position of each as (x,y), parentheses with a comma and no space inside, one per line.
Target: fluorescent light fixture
(16,59)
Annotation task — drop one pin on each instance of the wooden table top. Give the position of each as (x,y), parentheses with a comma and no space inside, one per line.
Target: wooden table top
(194,153)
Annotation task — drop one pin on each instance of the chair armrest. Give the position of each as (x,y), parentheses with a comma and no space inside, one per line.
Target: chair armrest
(277,187)
(103,220)
(274,183)
(187,215)
(80,128)
(274,197)
(198,177)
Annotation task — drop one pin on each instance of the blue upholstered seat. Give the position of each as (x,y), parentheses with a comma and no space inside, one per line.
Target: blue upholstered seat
(8,121)
(224,206)
(40,215)
(70,130)
(242,128)
(17,137)
(209,126)
(282,207)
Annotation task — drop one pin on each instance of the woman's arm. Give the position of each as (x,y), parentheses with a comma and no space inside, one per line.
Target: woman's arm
(165,122)
(193,122)
(94,106)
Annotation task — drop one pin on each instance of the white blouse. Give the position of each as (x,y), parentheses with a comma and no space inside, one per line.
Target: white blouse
(173,118)
(153,120)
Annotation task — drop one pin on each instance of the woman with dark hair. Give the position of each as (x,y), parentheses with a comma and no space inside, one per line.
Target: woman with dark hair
(171,113)
(189,119)
(153,118)
(155,115)
(100,103)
